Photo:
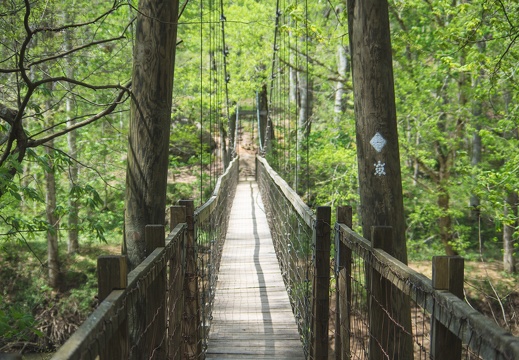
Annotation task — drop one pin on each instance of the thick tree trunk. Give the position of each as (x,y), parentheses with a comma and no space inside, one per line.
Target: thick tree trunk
(510,211)
(378,155)
(375,113)
(150,118)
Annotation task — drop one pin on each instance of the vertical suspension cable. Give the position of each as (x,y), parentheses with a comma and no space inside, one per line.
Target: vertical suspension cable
(309,99)
(288,115)
(272,77)
(297,169)
(213,87)
(201,105)
(226,74)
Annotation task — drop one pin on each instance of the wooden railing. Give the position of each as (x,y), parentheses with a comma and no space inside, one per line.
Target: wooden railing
(171,284)
(302,242)
(444,326)
(369,285)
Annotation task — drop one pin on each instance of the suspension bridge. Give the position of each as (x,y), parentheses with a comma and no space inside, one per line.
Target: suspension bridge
(249,275)
(254,273)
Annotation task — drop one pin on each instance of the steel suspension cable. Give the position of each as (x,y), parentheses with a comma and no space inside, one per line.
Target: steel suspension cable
(272,77)
(226,74)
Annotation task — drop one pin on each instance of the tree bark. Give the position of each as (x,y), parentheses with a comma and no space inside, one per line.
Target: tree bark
(510,211)
(73,216)
(381,201)
(342,69)
(374,101)
(52,219)
(50,212)
(263,117)
(305,103)
(150,117)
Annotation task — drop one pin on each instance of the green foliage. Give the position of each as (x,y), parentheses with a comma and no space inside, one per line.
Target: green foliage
(16,324)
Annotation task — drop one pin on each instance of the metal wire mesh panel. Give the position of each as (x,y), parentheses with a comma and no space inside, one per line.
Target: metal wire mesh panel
(211,222)
(292,237)
(441,323)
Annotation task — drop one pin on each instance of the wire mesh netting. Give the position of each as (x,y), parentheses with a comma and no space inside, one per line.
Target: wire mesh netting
(380,289)
(292,237)
(212,220)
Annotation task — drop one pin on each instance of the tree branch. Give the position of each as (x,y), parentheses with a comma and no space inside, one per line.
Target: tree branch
(118,100)
(7,114)
(61,55)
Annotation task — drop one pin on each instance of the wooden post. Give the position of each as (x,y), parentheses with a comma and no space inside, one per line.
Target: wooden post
(156,298)
(379,341)
(321,284)
(193,348)
(112,273)
(343,288)
(177,215)
(447,274)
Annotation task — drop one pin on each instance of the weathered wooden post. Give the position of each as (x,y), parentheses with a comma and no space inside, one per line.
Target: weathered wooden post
(343,287)
(112,271)
(321,284)
(177,215)
(193,348)
(447,274)
(156,297)
(381,338)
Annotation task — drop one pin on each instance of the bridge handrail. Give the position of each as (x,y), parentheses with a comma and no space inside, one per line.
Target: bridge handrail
(476,331)
(93,335)
(211,221)
(302,244)
(105,332)
(205,209)
(302,209)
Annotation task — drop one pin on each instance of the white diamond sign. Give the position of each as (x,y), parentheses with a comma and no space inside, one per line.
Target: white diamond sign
(378,142)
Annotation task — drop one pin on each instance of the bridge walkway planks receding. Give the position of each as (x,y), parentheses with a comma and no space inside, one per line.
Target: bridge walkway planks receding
(252,316)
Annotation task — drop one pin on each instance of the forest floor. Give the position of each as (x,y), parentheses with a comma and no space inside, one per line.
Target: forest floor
(488,289)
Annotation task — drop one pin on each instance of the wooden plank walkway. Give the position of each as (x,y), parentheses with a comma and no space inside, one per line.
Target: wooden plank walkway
(252,316)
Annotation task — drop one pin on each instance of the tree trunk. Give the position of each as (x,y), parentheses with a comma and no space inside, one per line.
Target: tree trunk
(52,219)
(292,69)
(263,117)
(232,136)
(223,145)
(445,222)
(304,125)
(73,215)
(510,211)
(342,69)
(474,161)
(150,117)
(378,152)
(50,212)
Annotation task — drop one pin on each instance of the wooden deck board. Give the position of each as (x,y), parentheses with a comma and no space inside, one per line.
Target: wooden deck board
(252,317)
